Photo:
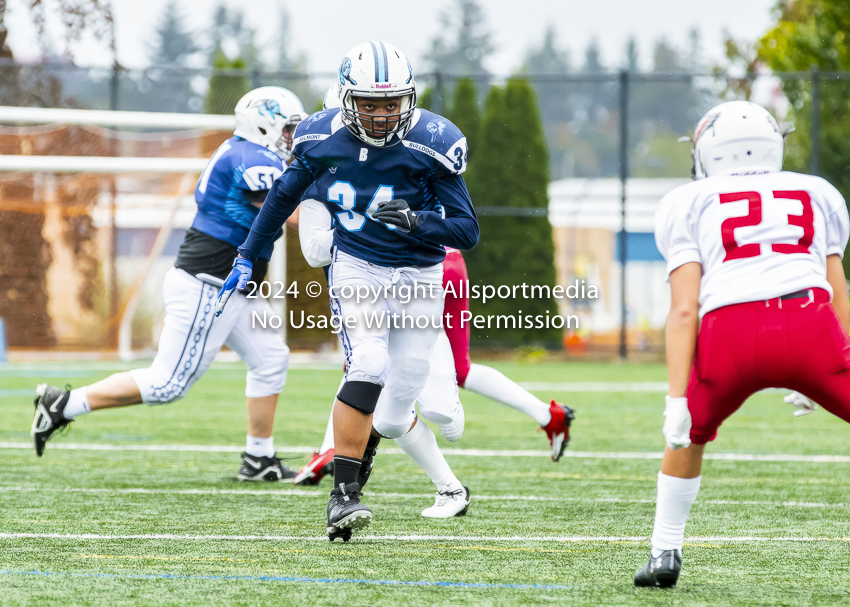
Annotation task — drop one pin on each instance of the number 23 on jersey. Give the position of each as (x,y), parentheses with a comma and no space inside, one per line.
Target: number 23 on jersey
(754,218)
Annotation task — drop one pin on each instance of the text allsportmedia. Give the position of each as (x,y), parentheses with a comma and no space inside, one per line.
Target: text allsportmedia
(578,289)
(378,320)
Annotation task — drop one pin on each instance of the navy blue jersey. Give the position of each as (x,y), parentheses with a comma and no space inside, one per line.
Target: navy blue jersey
(237,175)
(352,178)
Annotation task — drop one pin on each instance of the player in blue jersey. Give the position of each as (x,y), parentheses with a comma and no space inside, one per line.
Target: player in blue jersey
(391,175)
(229,195)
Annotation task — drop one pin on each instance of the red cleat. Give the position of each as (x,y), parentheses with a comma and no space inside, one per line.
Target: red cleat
(318,466)
(558,428)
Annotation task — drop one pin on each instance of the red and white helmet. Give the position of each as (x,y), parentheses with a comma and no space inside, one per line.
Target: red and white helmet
(737,137)
(377,69)
(268,116)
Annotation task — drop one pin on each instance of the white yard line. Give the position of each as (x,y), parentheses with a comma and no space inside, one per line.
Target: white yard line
(389,495)
(736,457)
(413,538)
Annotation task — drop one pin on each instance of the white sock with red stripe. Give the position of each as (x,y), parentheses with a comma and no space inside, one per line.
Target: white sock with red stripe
(672,507)
(488,382)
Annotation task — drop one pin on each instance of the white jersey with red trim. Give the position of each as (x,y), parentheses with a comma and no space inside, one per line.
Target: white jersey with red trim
(756,236)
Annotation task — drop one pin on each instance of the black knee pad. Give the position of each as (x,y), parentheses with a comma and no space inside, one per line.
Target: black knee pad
(361,395)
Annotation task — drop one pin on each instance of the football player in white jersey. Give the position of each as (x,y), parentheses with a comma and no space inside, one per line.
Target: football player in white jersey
(229,195)
(759,300)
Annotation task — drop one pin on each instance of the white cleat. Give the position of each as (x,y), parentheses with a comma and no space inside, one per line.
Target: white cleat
(449,504)
(453,430)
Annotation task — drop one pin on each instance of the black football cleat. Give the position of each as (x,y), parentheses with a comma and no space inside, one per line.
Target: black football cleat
(346,513)
(49,415)
(661,572)
(263,469)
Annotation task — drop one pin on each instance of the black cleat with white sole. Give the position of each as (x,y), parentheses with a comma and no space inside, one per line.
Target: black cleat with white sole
(661,571)
(346,513)
(263,469)
(49,415)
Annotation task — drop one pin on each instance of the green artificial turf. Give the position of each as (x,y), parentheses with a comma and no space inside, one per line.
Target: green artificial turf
(533,522)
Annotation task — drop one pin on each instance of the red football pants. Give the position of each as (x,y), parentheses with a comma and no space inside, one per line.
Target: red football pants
(796,344)
(454,271)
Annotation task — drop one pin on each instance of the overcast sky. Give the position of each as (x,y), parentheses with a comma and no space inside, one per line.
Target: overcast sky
(324,30)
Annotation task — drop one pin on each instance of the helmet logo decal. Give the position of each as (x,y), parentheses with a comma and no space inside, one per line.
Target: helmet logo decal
(409,69)
(709,122)
(269,107)
(435,127)
(315,117)
(345,72)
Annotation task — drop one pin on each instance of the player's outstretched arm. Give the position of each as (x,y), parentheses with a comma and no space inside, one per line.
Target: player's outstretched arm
(283,199)
(681,340)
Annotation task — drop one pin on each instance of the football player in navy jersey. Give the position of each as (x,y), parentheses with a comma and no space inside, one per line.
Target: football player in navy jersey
(391,175)
(229,195)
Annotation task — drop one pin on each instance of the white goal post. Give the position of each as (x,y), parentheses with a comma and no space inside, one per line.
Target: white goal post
(127,120)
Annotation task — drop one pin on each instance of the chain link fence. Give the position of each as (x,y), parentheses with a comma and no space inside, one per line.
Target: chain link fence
(613,143)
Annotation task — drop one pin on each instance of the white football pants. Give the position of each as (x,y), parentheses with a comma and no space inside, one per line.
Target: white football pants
(192,336)
(415,297)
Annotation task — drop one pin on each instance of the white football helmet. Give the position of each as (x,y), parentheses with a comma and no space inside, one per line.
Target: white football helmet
(331,99)
(377,69)
(737,137)
(268,116)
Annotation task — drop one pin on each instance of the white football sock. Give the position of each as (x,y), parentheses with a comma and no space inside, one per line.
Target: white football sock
(421,445)
(259,447)
(675,498)
(78,404)
(488,382)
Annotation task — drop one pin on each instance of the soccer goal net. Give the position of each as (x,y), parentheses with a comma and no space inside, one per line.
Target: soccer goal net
(93,207)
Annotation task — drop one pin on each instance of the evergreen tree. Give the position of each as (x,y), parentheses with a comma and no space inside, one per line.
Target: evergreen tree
(512,172)
(426,99)
(174,43)
(593,58)
(813,34)
(464,112)
(229,30)
(285,62)
(631,55)
(462,45)
(660,113)
(5,51)
(226,88)
(665,58)
(694,59)
(556,101)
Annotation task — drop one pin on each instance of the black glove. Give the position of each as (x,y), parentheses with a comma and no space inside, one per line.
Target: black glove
(397,213)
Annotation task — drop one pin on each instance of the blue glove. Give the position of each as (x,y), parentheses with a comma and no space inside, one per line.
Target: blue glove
(235,281)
